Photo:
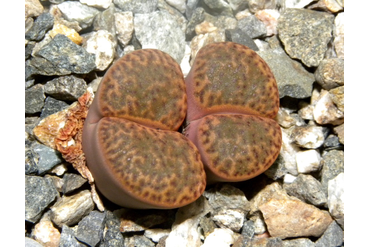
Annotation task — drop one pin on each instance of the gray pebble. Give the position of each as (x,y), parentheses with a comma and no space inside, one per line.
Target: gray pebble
(68,239)
(52,106)
(333,236)
(45,157)
(253,27)
(291,77)
(113,236)
(332,164)
(138,240)
(161,31)
(42,24)
(39,193)
(30,164)
(196,18)
(60,57)
(72,182)
(308,189)
(68,88)
(237,35)
(301,242)
(29,242)
(305,34)
(90,229)
(137,6)
(34,99)
(330,73)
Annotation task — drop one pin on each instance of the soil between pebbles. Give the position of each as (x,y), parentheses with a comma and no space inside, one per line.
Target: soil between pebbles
(70,45)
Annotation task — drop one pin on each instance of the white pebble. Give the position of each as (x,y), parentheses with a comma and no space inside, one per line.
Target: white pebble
(308,161)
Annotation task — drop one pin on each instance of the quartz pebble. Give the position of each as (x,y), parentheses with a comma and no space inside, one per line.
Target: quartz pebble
(97,3)
(326,112)
(124,25)
(309,136)
(46,233)
(230,218)
(336,198)
(308,161)
(102,44)
(270,18)
(76,11)
(339,35)
(220,237)
(184,229)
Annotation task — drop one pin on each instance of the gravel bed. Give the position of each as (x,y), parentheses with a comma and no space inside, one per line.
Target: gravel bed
(298,201)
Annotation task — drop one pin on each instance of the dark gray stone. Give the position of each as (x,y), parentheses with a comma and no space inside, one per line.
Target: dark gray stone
(30,164)
(105,21)
(278,169)
(292,78)
(160,30)
(247,233)
(43,23)
(196,18)
(60,57)
(253,27)
(332,142)
(305,34)
(90,228)
(39,193)
(113,236)
(52,106)
(239,36)
(68,239)
(332,164)
(72,182)
(28,49)
(68,88)
(34,99)
(45,158)
(308,189)
(301,242)
(137,6)
(333,236)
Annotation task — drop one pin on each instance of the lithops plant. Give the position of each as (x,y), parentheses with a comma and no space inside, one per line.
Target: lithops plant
(132,148)
(232,101)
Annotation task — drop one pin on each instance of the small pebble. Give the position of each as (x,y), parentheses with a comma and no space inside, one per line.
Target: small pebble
(330,73)
(68,88)
(34,99)
(230,218)
(339,35)
(333,236)
(41,25)
(76,11)
(68,238)
(52,106)
(326,112)
(332,164)
(46,233)
(90,228)
(309,136)
(336,198)
(97,3)
(156,234)
(137,6)
(72,182)
(308,161)
(253,27)
(124,23)
(221,238)
(301,242)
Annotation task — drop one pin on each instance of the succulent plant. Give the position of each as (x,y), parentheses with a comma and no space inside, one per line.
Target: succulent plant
(131,140)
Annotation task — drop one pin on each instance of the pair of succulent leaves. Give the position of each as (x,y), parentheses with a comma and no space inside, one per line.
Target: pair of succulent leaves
(130,138)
